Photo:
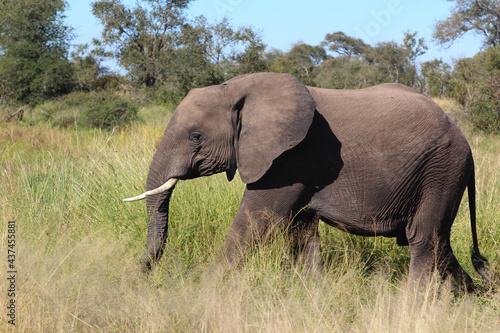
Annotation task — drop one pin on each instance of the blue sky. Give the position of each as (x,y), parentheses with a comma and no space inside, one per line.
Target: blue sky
(282,23)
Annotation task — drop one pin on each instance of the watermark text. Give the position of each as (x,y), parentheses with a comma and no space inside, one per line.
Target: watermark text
(380,20)
(11,272)
(223,7)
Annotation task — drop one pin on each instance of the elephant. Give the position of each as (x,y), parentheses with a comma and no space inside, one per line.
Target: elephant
(378,161)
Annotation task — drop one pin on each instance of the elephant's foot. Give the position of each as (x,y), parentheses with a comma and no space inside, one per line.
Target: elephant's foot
(438,257)
(146,263)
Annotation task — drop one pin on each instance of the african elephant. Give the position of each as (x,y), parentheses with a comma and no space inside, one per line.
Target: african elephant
(381,161)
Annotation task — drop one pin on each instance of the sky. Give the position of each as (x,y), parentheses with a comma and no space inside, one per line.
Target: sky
(281,23)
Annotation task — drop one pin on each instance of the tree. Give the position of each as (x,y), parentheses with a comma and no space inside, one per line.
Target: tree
(209,54)
(475,83)
(479,16)
(301,61)
(344,72)
(89,72)
(342,44)
(389,57)
(250,60)
(414,47)
(398,62)
(144,37)
(485,110)
(156,43)
(34,46)
(436,75)
(227,51)
(358,65)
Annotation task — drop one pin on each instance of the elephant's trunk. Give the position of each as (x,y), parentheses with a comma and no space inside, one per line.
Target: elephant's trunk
(157,202)
(159,190)
(157,210)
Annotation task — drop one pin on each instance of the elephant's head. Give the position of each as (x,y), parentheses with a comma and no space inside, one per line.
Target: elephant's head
(244,123)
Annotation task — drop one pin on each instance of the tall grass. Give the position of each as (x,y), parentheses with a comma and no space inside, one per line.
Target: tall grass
(79,244)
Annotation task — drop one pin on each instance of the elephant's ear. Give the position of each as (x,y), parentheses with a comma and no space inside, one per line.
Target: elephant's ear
(271,114)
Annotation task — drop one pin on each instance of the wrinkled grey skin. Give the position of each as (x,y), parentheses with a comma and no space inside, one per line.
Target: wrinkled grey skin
(382,161)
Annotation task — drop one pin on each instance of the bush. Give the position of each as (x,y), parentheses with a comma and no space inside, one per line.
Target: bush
(96,110)
(486,116)
(476,84)
(55,112)
(485,111)
(108,110)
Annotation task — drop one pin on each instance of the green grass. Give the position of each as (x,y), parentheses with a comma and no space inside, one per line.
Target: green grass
(78,247)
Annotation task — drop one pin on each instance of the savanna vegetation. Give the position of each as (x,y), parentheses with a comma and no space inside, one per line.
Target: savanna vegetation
(86,137)
(163,54)
(78,247)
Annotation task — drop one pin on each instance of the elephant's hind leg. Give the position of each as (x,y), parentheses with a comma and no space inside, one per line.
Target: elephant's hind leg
(429,241)
(449,268)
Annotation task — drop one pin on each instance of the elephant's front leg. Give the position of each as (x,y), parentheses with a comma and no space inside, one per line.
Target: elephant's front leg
(260,213)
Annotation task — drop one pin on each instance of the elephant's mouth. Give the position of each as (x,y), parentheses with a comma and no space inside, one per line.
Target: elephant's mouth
(206,167)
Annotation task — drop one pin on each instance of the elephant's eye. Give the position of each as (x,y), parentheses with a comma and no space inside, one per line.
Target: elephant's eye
(195,138)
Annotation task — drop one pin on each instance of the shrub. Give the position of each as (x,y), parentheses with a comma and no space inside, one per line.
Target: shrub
(485,111)
(486,116)
(108,110)
(97,110)
(476,84)
(55,112)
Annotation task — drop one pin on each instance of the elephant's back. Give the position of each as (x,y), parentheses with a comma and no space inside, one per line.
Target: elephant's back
(382,113)
(388,124)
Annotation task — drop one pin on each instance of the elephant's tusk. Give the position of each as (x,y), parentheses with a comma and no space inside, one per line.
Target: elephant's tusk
(165,187)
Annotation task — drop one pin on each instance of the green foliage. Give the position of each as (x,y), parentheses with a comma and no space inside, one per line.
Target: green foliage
(107,111)
(301,61)
(211,54)
(486,110)
(486,115)
(436,76)
(347,73)
(397,62)
(465,76)
(159,46)
(356,64)
(104,110)
(165,54)
(345,45)
(89,73)
(476,84)
(249,60)
(481,17)
(33,51)
(144,36)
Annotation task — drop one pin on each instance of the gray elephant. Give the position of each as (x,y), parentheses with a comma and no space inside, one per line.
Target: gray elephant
(381,161)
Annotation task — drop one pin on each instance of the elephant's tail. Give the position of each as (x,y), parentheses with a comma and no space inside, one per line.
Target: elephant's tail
(478,261)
